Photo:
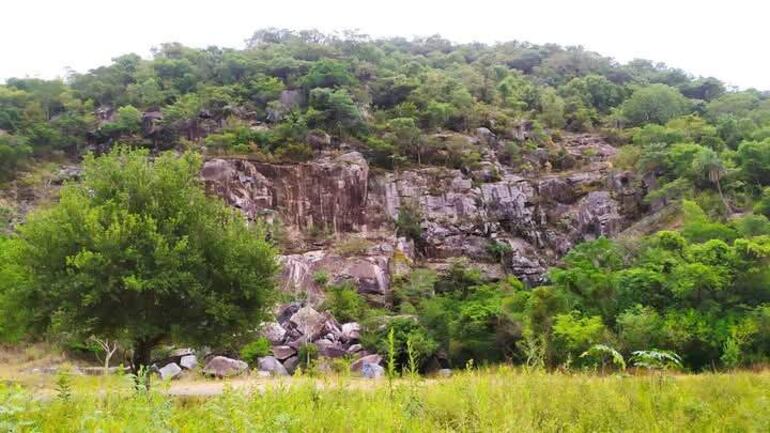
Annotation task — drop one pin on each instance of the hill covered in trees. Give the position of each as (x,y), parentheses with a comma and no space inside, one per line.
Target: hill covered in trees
(699,286)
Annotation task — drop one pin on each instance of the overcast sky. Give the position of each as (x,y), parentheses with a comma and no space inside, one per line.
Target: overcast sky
(725,39)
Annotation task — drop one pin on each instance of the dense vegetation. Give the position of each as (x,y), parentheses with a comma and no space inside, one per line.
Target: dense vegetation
(704,292)
(496,401)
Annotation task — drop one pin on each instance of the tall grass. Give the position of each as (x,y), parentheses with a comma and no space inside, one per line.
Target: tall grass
(503,400)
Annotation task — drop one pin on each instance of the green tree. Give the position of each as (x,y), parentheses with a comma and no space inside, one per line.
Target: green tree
(656,103)
(138,253)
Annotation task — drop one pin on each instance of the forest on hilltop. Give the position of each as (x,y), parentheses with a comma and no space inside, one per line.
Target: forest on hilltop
(702,291)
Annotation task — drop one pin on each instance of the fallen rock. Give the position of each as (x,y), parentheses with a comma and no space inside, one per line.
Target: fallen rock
(222,366)
(283,352)
(358,364)
(188,362)
(274,332)
(271,364)
(331,350)
(351,331)
(170,371)
(286,311)
(291,364)
(309,322)
(372,371)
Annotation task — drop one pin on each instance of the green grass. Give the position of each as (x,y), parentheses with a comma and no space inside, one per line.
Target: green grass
(502,400)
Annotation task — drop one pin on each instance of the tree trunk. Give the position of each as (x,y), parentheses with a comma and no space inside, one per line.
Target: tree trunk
(140,361)
(142,356)
(722,196)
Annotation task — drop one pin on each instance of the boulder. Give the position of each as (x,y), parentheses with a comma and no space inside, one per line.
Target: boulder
(309,322)
(274,332)
(358,364)
(331,350)
(286,311)
(351,331)
(222,366)
(283,352)
(372,371)
(269,363)
(170,371)
(188,362)
(291,364)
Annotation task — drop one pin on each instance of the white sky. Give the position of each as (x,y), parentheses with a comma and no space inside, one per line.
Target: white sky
(725,39)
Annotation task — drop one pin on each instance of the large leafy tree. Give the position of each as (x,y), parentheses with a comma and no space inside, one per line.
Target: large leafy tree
(657,103)
(137,252)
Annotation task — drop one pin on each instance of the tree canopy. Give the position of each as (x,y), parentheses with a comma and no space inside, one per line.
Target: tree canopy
(138,253)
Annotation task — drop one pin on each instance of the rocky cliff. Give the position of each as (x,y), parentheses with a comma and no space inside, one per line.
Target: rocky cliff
(340,214)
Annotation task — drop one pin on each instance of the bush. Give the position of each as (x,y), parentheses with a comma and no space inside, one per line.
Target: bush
(294,152)
(256,349)
(409,222)
(344,302)
(353,245)
(407,332)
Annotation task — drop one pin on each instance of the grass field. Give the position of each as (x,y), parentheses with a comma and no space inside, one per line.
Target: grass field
(499,400)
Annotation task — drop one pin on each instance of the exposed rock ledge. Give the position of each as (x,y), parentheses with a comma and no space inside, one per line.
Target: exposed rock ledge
(540,217)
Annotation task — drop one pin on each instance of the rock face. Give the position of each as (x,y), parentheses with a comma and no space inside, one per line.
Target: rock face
(328,194)
(221,366)
(539,209)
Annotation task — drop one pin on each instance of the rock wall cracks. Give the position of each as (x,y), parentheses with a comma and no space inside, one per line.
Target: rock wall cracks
(540,213)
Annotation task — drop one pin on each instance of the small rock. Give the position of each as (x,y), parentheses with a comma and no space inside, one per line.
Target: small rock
(355,348)
(444,372)
(170,371)
(269,363)
(372,371)
(188,362)
(358,364)
(222,366)
(283,352)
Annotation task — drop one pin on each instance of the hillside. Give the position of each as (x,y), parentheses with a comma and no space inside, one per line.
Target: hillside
(463,197)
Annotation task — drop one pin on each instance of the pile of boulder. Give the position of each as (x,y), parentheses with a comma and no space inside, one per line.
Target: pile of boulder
(297,325)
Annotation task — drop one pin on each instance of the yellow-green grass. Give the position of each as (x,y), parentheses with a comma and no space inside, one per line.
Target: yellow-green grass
(498,400)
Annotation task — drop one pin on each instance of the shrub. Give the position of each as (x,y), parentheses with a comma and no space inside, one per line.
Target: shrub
(256,349)
(344,302)
(353,245)
(409,221)
(321,278)
(294,152)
